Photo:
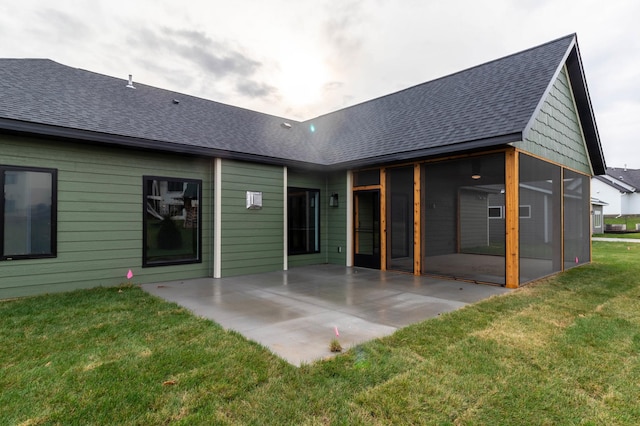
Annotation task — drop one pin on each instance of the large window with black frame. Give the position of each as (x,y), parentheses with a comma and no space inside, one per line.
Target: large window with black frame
(172,218)
(29,212)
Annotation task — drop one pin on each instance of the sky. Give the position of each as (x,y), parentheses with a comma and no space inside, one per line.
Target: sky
(304,58)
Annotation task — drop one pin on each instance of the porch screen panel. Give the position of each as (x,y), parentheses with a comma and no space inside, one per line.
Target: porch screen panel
(577,232)
(540,214)
(463,236)
(400,221)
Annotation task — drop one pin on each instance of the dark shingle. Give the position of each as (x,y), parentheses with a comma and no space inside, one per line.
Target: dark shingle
(492,100)
(490,104)
(45,92)
(629,176)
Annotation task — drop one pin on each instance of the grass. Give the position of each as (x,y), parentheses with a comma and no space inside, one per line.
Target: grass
(565,350)
(630,221)
(632,235)
(622,220)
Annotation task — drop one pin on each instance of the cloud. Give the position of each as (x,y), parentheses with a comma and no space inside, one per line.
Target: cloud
(333,85)
(253,89)
(340,29)
(64,26)
(195,47)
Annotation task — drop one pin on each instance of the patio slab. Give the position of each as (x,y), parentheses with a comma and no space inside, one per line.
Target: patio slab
(295,313)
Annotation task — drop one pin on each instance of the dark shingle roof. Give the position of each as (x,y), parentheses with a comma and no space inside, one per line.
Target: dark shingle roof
(487,105)
(630,177)
(489,101)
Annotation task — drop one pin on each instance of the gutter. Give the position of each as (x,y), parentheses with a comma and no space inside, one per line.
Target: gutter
(24,128)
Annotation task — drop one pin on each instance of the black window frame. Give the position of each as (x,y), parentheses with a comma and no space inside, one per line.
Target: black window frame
(198,255)
(318,234)
(53,241)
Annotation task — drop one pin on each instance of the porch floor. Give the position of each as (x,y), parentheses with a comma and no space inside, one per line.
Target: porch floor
(295,313)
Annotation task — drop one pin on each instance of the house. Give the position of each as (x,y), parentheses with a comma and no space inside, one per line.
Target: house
(620,189)
(482,175)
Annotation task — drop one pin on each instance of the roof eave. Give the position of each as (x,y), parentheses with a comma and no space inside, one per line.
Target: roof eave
(457,148)
(585,110)
(70,134)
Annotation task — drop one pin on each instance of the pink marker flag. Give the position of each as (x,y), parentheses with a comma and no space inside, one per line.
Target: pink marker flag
(129,274)
(336,329)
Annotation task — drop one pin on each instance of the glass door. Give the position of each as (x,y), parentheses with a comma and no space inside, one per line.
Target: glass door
(366,211)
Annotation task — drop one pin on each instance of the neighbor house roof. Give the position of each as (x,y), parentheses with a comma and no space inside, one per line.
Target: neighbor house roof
(484,106)
(623,179)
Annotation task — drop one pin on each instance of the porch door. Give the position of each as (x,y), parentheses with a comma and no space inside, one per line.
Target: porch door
(366,220)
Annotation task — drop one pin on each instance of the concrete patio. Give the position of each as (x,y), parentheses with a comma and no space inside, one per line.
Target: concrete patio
(296,313)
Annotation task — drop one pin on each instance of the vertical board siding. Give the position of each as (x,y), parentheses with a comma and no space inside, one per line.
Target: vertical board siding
(252,240)
(310,180)
(100,211)
(337,219)
(556,132)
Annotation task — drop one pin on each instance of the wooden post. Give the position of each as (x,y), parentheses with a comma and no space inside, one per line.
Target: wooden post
(512,219)
(417,220)
(383,219)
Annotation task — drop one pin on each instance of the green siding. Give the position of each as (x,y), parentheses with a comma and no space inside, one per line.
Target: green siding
(556,133)
(99,216)
(311,180)
(337,219)
(252,241)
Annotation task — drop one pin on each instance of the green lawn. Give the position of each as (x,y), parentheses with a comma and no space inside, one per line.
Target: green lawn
(563,351)
(628,220)
(632,235)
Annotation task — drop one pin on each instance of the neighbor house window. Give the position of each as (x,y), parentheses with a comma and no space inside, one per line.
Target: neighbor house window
(525,212)
(28,212)
(597,219)
(172,217)
(304,220)
(495,212)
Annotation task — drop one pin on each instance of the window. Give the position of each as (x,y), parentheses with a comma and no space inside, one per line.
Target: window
(597,219)
(366,177)
(172,217)
(495,212)
(28,210)
(525,212)
(304,220)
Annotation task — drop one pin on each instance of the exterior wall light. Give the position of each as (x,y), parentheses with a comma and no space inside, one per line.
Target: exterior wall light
(333,200)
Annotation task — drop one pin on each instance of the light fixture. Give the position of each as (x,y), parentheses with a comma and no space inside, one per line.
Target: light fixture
(334,200)
(475,169)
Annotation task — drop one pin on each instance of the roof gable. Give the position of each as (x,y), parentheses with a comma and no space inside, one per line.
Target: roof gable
(489,104)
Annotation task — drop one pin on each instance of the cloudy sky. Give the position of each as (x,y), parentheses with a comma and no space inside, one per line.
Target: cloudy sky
(303,58)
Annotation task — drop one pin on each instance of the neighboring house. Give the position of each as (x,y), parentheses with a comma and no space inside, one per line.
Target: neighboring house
(620,189)
(483,175)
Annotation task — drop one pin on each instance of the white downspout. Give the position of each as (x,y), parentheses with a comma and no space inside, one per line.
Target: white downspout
(285,221)
(217,219)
